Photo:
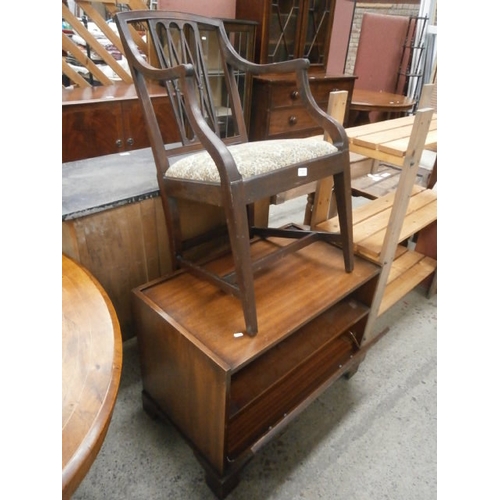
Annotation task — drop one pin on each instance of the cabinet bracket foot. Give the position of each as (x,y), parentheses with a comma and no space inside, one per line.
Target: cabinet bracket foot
(222,485)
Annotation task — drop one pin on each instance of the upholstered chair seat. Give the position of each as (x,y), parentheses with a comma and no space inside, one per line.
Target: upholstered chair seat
(252,158)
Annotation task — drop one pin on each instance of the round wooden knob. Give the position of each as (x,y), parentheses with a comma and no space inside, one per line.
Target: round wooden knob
(294,95)
(292,120)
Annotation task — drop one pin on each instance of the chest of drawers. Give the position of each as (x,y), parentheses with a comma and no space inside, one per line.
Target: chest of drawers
(277,110)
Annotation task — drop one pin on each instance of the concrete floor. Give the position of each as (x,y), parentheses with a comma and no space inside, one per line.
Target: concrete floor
(368,438)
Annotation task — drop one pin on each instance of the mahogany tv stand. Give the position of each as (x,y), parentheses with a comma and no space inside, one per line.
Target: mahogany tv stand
(229,393)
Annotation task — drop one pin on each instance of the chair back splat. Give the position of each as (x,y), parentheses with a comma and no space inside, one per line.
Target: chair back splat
(214,163)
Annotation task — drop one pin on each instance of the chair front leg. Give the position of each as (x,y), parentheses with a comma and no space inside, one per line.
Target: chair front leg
(342,190)
(239,237)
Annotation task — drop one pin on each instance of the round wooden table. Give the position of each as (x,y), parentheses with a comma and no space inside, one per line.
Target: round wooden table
(91,369)
(364,102)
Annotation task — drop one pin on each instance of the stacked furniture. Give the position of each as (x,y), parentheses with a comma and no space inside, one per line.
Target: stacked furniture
(230,383)
(240,327)
(229,394)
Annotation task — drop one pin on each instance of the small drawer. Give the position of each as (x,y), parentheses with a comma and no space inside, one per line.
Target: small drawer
(285,96)
(290,120)
(288,94)
(280,398)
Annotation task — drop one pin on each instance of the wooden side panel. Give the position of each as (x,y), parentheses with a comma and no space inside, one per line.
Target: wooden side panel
(183,381)
(123,248)
(257,10)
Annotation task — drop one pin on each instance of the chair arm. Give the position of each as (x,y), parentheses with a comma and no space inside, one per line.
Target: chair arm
(234,59)
(298,66)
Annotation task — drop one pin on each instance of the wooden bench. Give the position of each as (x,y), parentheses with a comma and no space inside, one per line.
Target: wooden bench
(383,224)
(370,226)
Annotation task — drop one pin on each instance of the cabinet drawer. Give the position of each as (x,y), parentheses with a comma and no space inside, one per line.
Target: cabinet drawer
(285,95)
(288,94)
(290,121)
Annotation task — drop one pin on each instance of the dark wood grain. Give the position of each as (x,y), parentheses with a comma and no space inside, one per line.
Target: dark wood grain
(105,120)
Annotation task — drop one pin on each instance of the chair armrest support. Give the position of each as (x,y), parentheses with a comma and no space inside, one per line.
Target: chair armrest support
(214,145)
(331,126)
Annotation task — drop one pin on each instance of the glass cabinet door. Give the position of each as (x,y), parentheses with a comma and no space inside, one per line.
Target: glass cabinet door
(289,29)
(299,28)
(317,30)
(283,30)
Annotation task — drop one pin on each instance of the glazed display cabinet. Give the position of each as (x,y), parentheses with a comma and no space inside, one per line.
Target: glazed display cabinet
(290,28)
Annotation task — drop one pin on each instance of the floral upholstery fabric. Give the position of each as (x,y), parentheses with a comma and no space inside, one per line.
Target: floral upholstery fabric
(252,158)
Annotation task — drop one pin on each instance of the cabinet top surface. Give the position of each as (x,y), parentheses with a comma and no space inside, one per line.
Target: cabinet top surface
(96,184)
(289,294)
(288,78)
(104,93)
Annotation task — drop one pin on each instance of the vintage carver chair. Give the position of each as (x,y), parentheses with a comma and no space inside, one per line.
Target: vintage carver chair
(223,168)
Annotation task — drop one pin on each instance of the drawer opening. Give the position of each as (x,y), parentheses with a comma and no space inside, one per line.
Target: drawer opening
(274,384)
